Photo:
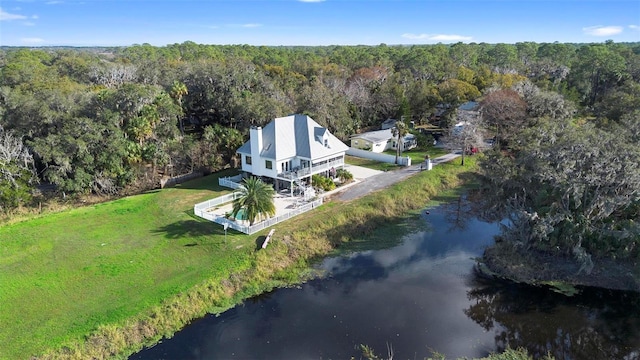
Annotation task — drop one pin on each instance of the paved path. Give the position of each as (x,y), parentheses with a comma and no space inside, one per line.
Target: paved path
(384,179)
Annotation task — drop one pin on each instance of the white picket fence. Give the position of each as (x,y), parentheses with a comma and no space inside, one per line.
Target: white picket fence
(200,210)
(232,182)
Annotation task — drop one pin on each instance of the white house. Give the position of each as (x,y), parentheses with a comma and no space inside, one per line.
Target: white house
(467,112)
(382,140)
(290,149)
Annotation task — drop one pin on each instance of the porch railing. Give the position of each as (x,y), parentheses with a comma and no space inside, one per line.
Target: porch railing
(314,169)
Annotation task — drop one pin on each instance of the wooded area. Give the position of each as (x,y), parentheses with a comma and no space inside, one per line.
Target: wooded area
(115,121)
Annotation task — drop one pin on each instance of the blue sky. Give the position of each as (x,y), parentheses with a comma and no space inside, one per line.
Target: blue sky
(314,22)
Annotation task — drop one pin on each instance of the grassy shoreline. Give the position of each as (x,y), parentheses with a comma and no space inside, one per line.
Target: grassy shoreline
(107,279)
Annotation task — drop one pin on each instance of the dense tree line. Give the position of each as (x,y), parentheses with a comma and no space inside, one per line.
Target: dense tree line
(566,174)
(115,120)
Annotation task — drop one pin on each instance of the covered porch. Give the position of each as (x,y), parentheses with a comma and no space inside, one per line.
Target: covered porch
(301,176)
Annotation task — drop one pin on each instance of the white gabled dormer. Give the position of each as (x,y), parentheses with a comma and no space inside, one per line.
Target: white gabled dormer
(322,136)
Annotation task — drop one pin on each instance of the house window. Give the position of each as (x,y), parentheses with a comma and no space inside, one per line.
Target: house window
(268,164)
(326,142)
(355,142)
(247,160)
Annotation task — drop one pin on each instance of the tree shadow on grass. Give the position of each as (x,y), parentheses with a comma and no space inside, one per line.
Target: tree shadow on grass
(377,232)
(189,229)
(207,182)
(471,182)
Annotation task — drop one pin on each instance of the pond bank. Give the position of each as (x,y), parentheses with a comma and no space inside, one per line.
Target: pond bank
(287,261)
(562,273)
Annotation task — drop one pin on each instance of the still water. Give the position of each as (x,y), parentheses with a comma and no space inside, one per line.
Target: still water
(418,297)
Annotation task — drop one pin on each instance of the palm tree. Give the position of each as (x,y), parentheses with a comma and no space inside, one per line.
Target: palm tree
(256,200)
(178,90)
(399,132)
(344,175)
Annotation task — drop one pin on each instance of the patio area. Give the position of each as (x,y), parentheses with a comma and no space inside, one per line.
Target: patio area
(287,206)
(283,201)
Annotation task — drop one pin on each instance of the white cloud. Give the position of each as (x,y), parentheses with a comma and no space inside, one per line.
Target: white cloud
(250,25)
(5,16)
(29,23)
(437,37)
(600,30)
(32,40)
(34,16)
(445,37)
(634,27)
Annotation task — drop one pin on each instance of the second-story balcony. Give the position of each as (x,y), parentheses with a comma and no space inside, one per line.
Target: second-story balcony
(298,172)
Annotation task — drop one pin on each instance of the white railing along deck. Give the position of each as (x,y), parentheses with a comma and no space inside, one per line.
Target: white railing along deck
(328,165)
(314,169)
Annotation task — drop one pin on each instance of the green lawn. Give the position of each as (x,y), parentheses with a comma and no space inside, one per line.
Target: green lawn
(417,156)
(63,274)
(368,163)
(133,270)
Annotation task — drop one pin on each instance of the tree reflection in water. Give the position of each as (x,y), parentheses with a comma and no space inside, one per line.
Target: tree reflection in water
(597,324)
(465,208)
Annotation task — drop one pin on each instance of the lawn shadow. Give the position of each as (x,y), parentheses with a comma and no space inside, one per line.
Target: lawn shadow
(259,241)
(444,198)
(207,182)
(471,183)
(189,229)
(377,232)
(471,180)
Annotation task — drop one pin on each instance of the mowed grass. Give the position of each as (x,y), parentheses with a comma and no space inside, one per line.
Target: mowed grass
(64,274)
(368,163)
(416,155)
(102,281)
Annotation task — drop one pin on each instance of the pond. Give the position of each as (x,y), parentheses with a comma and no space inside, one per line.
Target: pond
(413,299)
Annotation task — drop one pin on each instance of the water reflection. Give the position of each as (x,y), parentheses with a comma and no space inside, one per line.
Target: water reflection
(419,296)
(598,324)
(412,297)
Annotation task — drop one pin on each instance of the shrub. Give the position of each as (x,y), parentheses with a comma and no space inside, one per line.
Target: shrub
(322,182)
(344,175)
